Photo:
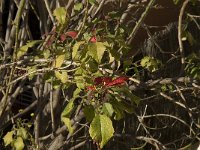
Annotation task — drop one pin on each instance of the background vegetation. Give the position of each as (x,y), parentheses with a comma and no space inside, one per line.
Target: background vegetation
(99,74)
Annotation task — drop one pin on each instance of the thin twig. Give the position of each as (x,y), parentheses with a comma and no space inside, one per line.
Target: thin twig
(49,11)
(139,23)
(180,19)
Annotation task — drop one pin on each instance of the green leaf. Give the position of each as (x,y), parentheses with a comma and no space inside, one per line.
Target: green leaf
(76,47)
(96,50)
(65,116)
(79,78)
(92,65)
(144,61)
(59,61)
(31,69)
(18,143)
(22,50)
(62,76)
(89,112)
(127,107)
(76,93)
(111,58)
(100,50)
(119,112)
(8,138)
(61,15)
(78,6)
(93,2)
(108,109)
(68,124)
(101,129)
(67,110)
(22,132)
(92,51)
(46,53)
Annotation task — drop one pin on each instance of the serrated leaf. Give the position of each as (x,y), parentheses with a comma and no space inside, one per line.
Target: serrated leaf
(18,143)
(89,112)
(68,124)
(78,6)
(60,14)
(75,48)
(59,61)
(8,138)
(108,109)
(101,129)
(22,132)
(62,76)
(22,50)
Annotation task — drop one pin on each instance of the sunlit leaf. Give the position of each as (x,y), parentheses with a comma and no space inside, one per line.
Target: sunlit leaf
(92,51)
(62,76)
(78,6)
(18,143)
(67,110)
(111,58)
(22,132)
(108,109)
(59,61)
(8,138)
(75,48)
(65,116)
(60,14)
(93,2)
(76,93)
(22,50)
(144,61)
(100,50)
(96,50)
(101,129)
(31,71)
(68,124)
(46,53)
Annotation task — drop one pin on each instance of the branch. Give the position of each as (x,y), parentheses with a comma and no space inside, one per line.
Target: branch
(139,23)
(185,3)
